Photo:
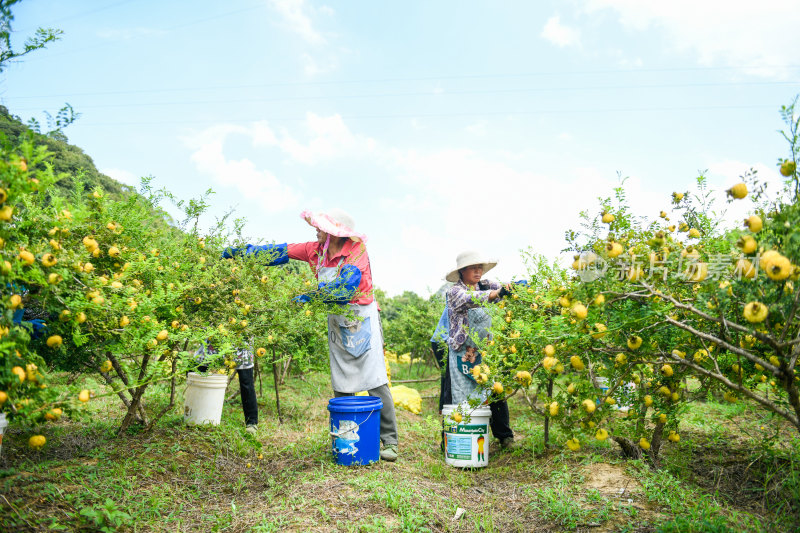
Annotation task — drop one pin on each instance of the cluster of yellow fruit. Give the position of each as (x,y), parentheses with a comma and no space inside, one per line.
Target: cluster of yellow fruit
(481,373)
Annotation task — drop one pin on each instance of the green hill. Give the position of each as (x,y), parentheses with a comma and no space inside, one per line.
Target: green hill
(68,160)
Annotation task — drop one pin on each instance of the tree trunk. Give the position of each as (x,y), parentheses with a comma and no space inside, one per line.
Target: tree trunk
(547,414)
(275,379)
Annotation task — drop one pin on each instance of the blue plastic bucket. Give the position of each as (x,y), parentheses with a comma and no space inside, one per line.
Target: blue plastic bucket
(355,429)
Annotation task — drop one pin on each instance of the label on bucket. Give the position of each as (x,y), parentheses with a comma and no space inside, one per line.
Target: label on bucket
(346,437)
(459,440)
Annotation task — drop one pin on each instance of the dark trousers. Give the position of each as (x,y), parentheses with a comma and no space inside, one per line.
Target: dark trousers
(247,388)
(499,422)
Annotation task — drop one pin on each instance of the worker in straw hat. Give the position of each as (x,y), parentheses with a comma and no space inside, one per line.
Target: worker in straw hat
(338,258)
(468,323)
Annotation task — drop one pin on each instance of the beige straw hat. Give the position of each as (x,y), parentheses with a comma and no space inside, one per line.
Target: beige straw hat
(469,258)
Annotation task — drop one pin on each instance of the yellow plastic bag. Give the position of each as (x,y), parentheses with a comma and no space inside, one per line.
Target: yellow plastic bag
(407,398)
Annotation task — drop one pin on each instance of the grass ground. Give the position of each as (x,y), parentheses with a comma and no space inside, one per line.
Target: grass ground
(725,475)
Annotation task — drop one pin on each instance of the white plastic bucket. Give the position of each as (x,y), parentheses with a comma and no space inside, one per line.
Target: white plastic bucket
(3,426)
(466,444)
(204,398)
(602,384)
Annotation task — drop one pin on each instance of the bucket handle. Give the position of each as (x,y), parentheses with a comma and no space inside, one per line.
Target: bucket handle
(340,433)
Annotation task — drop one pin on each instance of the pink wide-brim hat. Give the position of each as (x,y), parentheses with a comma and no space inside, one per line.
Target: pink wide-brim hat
(334,222)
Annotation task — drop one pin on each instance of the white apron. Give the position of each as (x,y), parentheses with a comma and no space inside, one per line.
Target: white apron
(355,346)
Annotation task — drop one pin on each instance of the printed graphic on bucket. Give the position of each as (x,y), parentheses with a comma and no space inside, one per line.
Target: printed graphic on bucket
(459,439)
(345,437)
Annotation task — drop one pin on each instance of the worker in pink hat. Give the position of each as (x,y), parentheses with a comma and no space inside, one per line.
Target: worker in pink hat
(339,260)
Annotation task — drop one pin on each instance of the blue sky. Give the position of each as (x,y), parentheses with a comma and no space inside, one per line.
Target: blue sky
(440,126)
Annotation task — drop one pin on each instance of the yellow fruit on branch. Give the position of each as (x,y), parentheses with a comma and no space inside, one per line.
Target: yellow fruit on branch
(54,413)
(738,191)
(634,342)
(523,377)
(755,312)
(106,366)
(777,266)
(579,311)
(754,223)
(667,371)
(635,273)
(162,335)
(788,168)
(549,350)
(744,268)
(674,437)
(747,243)
(601,434)
(497,388)
(614,249)
(589,405)
(694,233)
(113,251)
(696,272)
(20,372)
(648,400)
(6,213)
(574,444)
(553,409)
(15,301)
(549,362)
(54,341)
(84,395)
(456,417)
(608,218)
(124,321)
(677,197)
(26,257)
(37,442)
(261,352)
(3,397)
(599,331)
(49,260)
(644,444)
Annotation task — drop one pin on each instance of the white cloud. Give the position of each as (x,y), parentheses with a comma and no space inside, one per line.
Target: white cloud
(560,35)
(314,67)
(329,137)
(122,176)
(259,185)
(478,128)
(297,17)
(762,35)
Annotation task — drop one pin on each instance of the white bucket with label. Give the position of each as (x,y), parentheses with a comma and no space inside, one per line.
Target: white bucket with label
(204,398)
(630,388)
(466,444)
(3,426)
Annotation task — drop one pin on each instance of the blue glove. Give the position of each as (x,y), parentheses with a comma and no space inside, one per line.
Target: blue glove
(303,299)
(523,282)
(343,288)
(277,254)
(39,327)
